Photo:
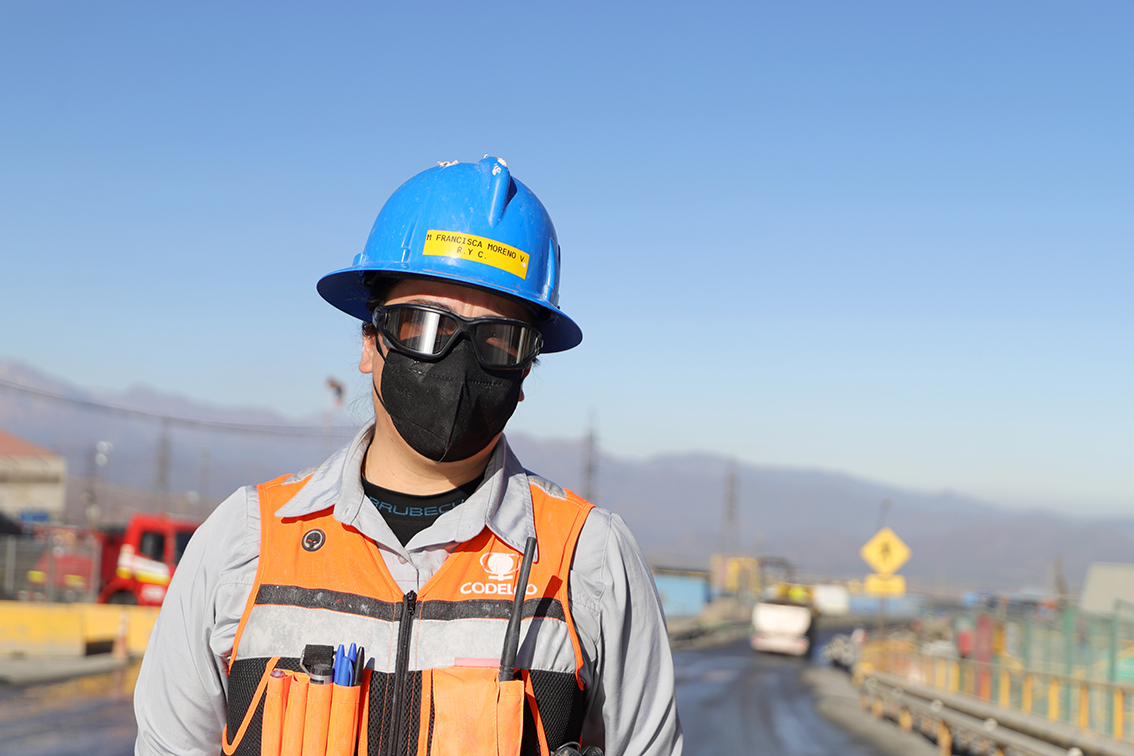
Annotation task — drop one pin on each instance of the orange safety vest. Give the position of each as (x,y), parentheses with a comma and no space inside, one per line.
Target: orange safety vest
(433,656)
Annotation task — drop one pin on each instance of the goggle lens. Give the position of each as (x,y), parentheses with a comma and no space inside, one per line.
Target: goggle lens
(430,333)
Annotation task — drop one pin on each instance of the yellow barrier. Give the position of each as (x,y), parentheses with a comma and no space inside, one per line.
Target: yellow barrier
(1092,705)
(1119,703)
(41,629)
(35,629)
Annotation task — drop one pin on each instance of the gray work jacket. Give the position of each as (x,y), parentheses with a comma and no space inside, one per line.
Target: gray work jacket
(179,700)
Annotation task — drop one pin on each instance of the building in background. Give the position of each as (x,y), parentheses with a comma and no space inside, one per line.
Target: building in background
(1109,585)
(32,480)
(683,593)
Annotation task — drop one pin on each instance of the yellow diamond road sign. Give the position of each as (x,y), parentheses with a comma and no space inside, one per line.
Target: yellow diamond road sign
(885,552)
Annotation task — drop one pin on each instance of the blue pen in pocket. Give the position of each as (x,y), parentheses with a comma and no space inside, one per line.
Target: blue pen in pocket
(341,665)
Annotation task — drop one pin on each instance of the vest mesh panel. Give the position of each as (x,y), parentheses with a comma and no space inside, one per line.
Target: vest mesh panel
(562,707)
(242,683)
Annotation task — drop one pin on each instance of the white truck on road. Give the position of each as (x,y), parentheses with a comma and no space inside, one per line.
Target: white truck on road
(782,627)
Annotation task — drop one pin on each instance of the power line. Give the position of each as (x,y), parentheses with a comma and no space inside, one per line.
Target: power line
(303,431)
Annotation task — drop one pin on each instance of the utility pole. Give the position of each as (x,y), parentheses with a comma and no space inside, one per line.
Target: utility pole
(727,543)
(204,467)
(89,498)
(161,461)
(100,456)
(1058,583)
(590,461)
(336,391)
(883,510)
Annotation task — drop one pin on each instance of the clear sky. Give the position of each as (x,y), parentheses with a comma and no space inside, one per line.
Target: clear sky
(892,239)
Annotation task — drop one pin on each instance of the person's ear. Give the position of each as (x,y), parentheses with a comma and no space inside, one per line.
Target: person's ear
(369,353)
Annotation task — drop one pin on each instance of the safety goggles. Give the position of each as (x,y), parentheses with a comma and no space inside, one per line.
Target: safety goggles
(429,333)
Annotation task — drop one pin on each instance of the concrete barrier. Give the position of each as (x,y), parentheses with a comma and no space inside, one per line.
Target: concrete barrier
(45,630)
(41,629)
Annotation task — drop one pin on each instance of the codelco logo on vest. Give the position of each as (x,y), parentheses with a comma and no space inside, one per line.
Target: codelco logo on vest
(499,567)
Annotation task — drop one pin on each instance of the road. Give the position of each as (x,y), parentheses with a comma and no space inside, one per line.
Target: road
(731,701)
(84,716)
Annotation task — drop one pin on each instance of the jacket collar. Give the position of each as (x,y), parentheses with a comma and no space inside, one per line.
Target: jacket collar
(503,502)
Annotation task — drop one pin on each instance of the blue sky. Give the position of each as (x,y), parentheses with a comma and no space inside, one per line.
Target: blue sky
(892,239)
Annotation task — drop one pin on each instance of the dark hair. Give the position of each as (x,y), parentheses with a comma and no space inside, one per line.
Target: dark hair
(379,286)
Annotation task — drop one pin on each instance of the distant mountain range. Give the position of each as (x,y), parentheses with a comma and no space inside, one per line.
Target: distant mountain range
(674,503)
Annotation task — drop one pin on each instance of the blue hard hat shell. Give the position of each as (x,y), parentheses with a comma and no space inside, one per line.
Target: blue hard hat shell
(479,199)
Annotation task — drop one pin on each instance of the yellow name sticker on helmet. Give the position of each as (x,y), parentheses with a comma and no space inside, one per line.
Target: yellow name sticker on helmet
(476,249)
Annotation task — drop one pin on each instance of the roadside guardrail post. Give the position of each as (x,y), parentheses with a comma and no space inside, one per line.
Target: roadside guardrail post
(1068,658)
(1053,698)
(1114,707)
(1118,716)
(944,738)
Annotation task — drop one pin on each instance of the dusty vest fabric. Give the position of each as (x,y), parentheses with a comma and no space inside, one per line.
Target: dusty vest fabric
(321,582)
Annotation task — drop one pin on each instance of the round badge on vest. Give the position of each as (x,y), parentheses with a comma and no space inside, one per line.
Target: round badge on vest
(313,540)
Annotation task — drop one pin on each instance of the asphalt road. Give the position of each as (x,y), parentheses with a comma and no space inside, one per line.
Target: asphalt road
(731,701)
(83,716)
(734,701)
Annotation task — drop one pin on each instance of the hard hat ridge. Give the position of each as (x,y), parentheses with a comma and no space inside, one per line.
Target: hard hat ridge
(470,223)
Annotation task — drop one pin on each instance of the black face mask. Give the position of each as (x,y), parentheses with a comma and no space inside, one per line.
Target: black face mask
(450,409)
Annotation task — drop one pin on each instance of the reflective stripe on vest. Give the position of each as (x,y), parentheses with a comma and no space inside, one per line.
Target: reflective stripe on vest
(320,582)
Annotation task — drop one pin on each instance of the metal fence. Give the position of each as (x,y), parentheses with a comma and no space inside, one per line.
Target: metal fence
(1075,667)
(1065,666)
(54,565)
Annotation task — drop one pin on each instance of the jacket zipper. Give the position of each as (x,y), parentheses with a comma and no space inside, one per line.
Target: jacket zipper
(401,674)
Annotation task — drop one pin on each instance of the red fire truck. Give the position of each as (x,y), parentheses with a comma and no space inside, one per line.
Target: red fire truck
(138,562)
(135,563)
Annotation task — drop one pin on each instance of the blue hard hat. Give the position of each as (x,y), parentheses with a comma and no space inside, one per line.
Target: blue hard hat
(470,223)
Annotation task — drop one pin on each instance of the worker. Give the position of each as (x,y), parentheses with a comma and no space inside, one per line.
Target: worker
(411,540)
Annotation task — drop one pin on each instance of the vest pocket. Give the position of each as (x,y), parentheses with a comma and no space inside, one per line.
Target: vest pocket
(509,717)
(471,712)
(247,685)
(343,729)
(304,719)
